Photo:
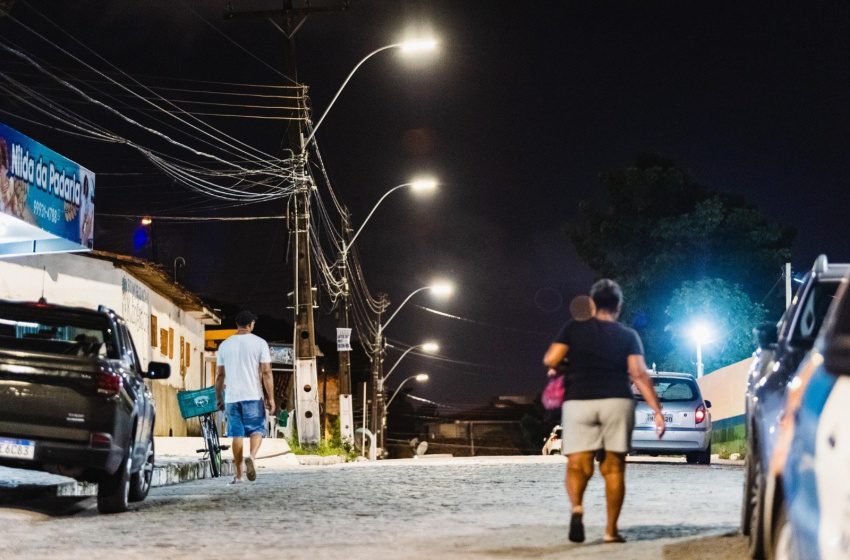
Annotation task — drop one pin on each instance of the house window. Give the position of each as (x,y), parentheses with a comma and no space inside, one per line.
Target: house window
(154,332)
(163,342)
(171,343)
(188,354)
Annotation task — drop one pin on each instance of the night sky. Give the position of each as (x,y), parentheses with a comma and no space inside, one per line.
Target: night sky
(517,114)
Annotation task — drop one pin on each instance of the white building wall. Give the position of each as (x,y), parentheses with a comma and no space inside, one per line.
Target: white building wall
(75,280)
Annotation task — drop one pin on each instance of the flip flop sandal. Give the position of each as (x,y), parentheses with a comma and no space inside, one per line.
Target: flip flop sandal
(618,538)
(236,481)
(576,528)
(249,469)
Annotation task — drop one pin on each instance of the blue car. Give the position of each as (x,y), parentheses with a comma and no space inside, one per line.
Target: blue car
(815,523)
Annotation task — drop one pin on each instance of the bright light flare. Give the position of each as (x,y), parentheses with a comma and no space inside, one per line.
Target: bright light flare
(442,289)
(701,333)
(419,45)
(146,221)
(424,185)
(422,377)
(430,346)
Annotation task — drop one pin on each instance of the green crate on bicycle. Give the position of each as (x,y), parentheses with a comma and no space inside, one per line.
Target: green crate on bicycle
(197,403)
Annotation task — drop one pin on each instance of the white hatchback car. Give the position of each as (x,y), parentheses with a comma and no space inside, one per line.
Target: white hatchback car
(553,442)
(688,420)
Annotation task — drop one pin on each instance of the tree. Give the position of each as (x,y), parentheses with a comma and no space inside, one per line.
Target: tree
(661,228)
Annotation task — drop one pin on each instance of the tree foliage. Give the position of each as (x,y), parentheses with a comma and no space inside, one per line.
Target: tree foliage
(661,228)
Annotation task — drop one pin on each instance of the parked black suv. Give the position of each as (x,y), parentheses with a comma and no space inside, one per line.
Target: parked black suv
(781,348)
(73,400)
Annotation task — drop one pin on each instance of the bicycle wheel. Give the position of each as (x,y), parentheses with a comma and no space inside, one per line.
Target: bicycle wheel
(213,448)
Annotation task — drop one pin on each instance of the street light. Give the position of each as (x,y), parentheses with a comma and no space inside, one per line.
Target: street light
(437,289)
(411,46)
(427,346)
(422,377)
(701,334)
(416,185)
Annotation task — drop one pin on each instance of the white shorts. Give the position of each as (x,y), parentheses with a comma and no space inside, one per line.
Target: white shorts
(597,424)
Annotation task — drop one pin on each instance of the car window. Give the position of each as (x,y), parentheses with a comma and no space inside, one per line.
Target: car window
(813,311)
(842,320)
(671,389)
(54,332)
(129,348)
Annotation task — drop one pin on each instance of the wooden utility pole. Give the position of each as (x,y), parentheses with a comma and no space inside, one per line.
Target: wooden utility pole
(346,411)
(304,339)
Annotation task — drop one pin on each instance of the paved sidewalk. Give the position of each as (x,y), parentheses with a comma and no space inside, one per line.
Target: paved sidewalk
(20,484)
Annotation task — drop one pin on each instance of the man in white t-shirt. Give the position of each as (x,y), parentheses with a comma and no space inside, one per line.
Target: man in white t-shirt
(244,360)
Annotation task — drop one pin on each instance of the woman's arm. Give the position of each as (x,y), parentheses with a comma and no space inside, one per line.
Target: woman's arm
(555,354)
(642,380)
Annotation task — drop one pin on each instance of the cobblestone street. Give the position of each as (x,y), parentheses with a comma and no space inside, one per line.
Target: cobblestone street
(457,508)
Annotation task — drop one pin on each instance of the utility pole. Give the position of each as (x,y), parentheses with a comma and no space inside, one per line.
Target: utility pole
(346,412)
(304,340)
(378,380)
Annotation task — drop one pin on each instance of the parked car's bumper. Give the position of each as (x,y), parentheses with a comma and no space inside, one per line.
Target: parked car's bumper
(675,440)
(69,454)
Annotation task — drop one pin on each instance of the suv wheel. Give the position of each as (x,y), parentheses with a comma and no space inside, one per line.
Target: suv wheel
(113,490)
(756,505)
(747,506)
(140,482)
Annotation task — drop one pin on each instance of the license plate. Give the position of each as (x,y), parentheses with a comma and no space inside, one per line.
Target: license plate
(17,448)
(668,418)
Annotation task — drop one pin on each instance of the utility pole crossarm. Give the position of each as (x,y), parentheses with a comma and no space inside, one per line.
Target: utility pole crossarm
(305,11)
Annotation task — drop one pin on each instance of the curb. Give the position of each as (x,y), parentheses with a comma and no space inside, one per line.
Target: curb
(320,461)
(168,472)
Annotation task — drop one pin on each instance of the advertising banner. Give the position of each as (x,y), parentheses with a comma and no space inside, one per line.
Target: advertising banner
(282,354)
(46,200)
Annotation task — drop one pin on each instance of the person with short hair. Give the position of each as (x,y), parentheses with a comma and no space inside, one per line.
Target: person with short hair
(244,361)
(598,413)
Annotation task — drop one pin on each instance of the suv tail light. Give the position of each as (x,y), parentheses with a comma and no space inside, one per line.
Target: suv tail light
(108,383)
(700,414)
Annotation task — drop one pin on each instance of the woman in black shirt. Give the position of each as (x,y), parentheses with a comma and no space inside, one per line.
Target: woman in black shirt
(598,412)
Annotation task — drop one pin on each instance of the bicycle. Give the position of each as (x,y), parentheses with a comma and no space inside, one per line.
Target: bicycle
(203,403)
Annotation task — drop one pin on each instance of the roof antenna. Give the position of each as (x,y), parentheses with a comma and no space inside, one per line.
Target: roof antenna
(43,274)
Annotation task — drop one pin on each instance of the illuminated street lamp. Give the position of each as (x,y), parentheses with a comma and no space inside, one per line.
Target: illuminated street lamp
(420,185)
(411,46)
(422,377)
(701,334)
(437,289)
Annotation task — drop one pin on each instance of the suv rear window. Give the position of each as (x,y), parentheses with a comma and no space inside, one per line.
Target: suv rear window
(54,331)
(671,389)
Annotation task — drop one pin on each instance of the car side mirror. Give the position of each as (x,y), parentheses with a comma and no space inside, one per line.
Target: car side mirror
(707,403)
(766,334)
(836,355)
(158,370)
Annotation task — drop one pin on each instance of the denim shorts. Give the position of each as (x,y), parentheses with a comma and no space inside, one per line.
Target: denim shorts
(245,418)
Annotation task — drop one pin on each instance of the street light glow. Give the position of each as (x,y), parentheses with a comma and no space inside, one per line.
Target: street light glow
(422,377)
(424,185)
(418,45)
(146,221)
(430,347)
(701,333)
(442,289)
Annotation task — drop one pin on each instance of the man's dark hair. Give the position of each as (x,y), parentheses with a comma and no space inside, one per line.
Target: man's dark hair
(606,295)
(244,318)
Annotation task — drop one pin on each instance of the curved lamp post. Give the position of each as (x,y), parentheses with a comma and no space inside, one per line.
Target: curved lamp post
(417,185)
(420,377)
(407,46)
(439,289)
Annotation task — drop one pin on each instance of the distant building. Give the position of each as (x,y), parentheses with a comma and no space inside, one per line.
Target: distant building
(492,429)
(166,320)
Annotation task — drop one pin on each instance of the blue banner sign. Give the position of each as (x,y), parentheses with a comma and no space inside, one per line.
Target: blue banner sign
(46,200)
